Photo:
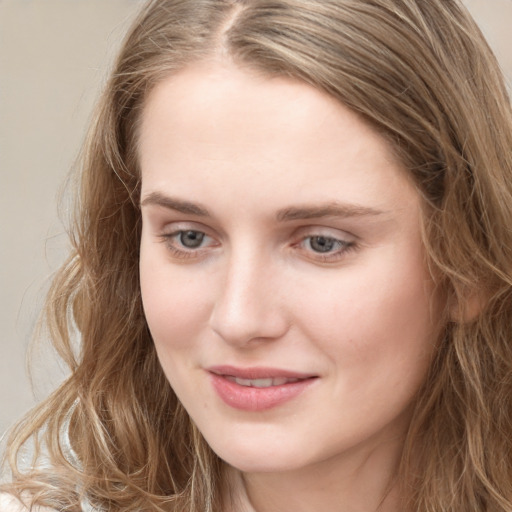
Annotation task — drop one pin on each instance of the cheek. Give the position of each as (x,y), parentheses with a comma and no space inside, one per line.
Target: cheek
(379,319)
(175,310)
(175,303)
(378,338)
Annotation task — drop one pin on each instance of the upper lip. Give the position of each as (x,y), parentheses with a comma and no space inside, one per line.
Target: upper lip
(258,372)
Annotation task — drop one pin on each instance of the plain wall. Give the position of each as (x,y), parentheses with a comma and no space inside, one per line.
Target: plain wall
(54,55)
(53,59)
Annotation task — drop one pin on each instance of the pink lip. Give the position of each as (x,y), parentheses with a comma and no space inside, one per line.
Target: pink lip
(258,372)
(257,399)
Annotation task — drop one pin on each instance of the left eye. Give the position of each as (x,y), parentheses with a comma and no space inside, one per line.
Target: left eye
(324,244)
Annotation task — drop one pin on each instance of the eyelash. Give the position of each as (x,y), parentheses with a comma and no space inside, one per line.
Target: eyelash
(170,240)
(344,246)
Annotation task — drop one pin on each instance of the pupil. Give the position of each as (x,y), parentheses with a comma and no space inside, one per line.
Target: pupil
(322,243)
(191,239)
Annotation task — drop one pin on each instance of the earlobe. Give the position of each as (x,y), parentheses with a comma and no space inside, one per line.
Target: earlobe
(467,306)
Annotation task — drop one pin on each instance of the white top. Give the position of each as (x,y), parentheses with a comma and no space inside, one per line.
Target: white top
(9,503)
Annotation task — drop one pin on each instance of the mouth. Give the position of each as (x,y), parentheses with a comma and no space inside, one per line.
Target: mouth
(260,383)
(259,377)
(258,389)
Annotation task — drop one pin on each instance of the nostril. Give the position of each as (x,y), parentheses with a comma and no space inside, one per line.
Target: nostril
(246,308)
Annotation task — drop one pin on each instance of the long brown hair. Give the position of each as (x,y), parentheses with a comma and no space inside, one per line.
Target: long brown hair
(420,73)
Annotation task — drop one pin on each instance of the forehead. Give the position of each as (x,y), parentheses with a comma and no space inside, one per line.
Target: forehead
(208,95)
(215,124)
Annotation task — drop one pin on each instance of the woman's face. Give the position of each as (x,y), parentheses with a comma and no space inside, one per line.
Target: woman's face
(282,270)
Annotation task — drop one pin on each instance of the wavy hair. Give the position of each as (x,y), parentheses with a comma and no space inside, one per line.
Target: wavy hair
(420,73)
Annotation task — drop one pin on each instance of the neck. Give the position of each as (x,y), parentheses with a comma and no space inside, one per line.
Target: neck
(361,481)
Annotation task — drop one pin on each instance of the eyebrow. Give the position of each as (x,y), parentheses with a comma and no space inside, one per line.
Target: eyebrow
(331,209)
(172,203)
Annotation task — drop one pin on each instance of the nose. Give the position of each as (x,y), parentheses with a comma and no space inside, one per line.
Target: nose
(248,308)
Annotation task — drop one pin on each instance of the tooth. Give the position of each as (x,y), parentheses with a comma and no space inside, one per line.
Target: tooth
(243,382)
(262,383)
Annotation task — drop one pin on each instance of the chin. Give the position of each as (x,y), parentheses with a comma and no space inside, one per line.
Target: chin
(259,464)
(262,457)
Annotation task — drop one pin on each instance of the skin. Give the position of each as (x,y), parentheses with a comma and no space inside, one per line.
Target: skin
(266,158)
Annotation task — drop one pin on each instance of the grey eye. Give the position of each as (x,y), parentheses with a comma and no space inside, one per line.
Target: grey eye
(323,243)
(191,239)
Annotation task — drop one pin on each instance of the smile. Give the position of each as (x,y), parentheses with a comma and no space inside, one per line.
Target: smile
(258,389)
(260,383)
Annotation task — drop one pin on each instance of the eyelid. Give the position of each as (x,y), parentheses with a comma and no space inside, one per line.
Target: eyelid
(170,231)
(173,227)
(348,243)
(327,231)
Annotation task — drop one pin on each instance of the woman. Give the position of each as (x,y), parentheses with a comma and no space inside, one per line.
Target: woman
(291,276)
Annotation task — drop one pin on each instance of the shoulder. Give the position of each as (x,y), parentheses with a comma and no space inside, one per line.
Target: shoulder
(9,503)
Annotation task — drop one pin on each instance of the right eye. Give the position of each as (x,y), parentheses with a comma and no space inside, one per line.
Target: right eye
(187,243)
(190,239)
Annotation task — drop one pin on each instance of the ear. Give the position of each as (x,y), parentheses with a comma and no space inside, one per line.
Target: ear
(467,306)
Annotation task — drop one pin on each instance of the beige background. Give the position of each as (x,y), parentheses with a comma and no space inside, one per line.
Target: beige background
(53,58)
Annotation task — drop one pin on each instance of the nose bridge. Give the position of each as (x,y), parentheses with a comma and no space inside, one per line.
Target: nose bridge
(247,303)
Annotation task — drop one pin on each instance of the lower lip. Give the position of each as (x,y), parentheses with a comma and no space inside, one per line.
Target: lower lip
(252,399)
